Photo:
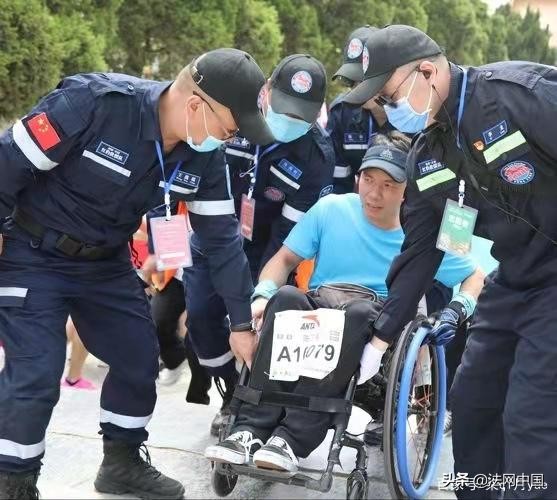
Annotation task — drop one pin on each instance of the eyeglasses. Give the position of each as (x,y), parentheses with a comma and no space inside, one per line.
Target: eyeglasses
(382,100)
(228,134)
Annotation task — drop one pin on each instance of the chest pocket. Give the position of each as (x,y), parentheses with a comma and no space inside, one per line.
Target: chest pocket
(284,176)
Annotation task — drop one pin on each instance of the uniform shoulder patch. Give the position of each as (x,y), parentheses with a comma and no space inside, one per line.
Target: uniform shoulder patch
(289,167)
(43,131)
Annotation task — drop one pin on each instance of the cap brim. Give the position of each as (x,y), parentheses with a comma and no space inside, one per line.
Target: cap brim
(365,90)
(351,71)
(395,172)
(288,104)
(253,127)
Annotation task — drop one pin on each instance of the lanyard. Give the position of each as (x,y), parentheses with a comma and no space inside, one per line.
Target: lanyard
(370,128)
(462,184)
(168,183)
(461,106)
(253,171)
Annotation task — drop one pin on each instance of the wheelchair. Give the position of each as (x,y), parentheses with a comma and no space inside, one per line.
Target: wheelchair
(408,393)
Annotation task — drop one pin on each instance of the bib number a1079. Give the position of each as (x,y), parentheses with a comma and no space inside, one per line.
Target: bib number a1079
(306,343)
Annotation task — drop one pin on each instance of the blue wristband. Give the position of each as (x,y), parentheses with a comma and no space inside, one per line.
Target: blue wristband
(468,302)
(265,289)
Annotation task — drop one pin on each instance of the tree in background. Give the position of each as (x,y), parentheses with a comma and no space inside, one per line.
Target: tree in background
(43,40)
(524,38)
(29,55)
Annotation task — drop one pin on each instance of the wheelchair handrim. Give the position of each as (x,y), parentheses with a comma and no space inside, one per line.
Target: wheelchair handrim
(402,416)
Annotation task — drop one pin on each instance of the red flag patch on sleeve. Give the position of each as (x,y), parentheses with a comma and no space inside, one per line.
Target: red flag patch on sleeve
(43,131)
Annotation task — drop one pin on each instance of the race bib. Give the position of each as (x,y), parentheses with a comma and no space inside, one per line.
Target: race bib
(306,343)
(171,242)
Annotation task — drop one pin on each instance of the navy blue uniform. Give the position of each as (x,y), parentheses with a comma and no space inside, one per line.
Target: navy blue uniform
(290,179)
(503,398)
(82,169)
(351,129)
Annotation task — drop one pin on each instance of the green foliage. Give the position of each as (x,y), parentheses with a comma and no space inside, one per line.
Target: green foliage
(29,55)
(43,40)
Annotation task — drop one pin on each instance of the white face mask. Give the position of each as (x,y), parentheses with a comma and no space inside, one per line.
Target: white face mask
(210,143)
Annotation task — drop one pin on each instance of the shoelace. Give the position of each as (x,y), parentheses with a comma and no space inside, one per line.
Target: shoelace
(282,444)
(246,439)
(145,461)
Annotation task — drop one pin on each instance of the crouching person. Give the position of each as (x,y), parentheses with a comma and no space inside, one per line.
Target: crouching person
(353,238)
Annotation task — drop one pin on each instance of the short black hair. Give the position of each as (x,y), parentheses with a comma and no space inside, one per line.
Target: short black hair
(394,138)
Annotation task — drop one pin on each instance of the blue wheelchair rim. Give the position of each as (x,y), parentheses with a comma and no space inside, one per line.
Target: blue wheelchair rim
(402,416)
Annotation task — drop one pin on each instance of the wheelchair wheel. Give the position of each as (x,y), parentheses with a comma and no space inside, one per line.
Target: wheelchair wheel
(356,485)
(222,483)
(416,394)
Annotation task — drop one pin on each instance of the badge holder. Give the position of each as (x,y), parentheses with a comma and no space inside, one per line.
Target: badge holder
(170,233)
(457,226)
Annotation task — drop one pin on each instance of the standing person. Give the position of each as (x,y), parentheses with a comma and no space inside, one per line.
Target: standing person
(74,377)
(83,166)
(282,180)
(352,127)
(487,142)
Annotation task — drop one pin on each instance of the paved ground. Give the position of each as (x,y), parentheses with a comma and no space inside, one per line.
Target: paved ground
(179,432)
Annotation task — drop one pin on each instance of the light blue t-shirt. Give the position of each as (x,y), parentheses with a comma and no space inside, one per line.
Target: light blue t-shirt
(350,249)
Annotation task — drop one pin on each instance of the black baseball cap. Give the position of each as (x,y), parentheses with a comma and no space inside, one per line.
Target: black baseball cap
(391,160)
(351,68)
(233,78)
(386,50)
(299,84)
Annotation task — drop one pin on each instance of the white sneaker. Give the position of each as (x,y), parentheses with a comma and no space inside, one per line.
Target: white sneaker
(235,449)
(170,377)
(276,455)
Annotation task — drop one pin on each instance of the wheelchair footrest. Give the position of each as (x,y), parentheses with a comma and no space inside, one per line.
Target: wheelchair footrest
(322,484)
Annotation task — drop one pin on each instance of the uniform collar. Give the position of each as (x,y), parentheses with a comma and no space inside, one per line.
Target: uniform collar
(150,126)
(448,112)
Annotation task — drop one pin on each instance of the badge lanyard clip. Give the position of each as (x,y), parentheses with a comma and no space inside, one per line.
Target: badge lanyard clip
(253,173)
(168,183)
(461,188)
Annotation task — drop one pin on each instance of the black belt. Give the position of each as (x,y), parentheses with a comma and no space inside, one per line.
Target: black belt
(65,243)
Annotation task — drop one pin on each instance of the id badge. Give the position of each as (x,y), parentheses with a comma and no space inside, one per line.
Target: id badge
(457,229)
(247,216)
(171,242)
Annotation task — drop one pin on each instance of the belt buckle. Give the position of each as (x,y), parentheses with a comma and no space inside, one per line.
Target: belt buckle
(69,246)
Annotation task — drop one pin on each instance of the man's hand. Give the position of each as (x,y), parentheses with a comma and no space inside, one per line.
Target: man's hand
(445,327)
(149,269)
(371,359)
(243,345)
(257,309)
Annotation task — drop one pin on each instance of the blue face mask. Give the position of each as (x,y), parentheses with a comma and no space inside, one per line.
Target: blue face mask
(210,143)
(284,127)
(404,117)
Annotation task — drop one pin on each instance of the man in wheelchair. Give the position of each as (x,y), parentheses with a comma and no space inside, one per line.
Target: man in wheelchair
(353,238)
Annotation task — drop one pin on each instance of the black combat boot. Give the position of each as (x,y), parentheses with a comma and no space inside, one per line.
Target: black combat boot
(19,485)
(223,414)
(124,470)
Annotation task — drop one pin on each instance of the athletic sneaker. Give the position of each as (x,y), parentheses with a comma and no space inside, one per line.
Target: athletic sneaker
(235,449)
(80,383)
(170,377)
(276,455)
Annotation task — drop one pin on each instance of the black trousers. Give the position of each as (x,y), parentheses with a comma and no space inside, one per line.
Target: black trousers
(504,397)
(166,308)
(304,430)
